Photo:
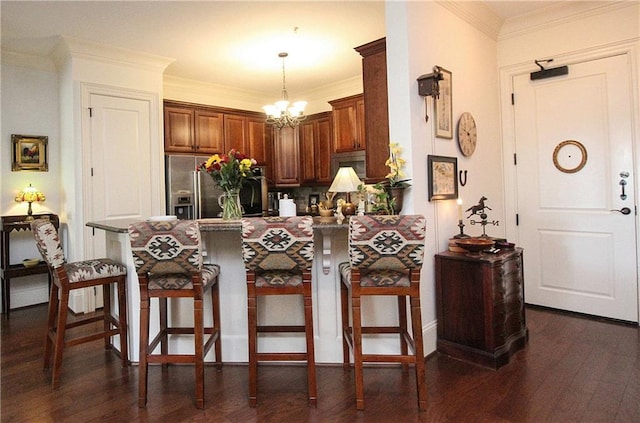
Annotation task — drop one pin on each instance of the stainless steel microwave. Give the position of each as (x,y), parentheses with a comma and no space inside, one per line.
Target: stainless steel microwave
(355,159)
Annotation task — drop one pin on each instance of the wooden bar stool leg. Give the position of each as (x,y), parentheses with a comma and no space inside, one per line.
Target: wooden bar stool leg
(106,314)
(51,325)
(164,340)
(311,362)
(357,351)
(122,319)
(215,305)
(402,322)
(253,335)
(421,383)
(198,332)
(144,350)
(344,305)
(58,348)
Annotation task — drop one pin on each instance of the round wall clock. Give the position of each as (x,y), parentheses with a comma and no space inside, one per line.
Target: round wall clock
(467,134)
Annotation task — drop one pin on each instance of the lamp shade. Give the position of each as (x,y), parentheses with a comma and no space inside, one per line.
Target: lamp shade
(30,195)
(346,180)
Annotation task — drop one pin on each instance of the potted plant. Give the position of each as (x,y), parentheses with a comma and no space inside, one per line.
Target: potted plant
(395,182)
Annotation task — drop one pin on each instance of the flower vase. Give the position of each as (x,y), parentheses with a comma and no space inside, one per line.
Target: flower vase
(230,203)
(396,193)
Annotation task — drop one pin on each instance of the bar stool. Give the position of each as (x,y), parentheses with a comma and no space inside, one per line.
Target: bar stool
(168,260)
(385,258)
(76,275)
(278,255)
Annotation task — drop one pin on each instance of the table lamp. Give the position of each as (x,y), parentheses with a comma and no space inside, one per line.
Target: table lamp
(346,181)
(30,195)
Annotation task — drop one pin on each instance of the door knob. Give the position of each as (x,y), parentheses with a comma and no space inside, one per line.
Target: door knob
(624,210)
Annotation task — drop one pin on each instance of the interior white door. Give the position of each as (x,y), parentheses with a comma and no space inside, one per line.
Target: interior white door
(120,162)
(573,142)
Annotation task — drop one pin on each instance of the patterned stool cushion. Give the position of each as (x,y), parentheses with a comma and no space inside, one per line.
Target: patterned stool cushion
(48,242)
(377,277)
(183,281)
(278,278)
(386,242)
(169,252)
(384,248)
(277,243)
(93,269)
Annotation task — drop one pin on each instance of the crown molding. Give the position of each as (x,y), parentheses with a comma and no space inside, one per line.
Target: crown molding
(477,14)
(558,14)
(69,47)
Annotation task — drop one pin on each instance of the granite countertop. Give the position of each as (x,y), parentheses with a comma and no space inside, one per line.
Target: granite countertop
(211,225)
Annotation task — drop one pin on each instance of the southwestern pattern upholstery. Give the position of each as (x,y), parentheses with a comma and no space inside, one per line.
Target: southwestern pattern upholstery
(168,260)
(75,275)
(386,254)
(278,255)
(385,248)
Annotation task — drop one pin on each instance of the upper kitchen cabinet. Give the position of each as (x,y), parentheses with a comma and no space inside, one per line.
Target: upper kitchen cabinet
(286,154)
(348,115)
(199,129)
(315,149)
(376,119)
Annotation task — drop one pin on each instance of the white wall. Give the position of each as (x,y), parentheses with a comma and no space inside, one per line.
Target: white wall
(419,36)
(29,107)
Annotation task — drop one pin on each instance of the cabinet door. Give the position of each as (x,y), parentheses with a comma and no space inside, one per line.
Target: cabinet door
(257,140)
(235,133)
(178,129)
(344,128)
(322,153)
(307,152)
(286,157)
(209,132)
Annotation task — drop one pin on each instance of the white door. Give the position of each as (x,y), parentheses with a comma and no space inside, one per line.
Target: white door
(120,167)
(573,142)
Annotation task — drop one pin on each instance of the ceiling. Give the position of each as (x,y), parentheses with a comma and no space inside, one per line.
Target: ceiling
(231,43)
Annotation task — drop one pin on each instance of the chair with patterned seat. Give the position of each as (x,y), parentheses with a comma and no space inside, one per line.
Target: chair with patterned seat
(77,275)
(278,255)
(385,258)
(168,260)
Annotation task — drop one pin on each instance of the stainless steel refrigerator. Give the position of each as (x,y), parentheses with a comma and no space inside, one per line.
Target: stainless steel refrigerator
(192,194)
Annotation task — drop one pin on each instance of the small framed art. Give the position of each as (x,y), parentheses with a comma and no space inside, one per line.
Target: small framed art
(443,181)
(314,200)
(444,108)
(29,152)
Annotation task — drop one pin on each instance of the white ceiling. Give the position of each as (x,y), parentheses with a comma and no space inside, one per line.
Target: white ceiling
(234,44)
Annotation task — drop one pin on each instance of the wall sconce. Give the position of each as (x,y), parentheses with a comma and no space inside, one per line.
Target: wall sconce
(428,86)
(30,195)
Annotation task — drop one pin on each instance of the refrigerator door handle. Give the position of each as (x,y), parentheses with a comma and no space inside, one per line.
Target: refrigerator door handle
(197,195)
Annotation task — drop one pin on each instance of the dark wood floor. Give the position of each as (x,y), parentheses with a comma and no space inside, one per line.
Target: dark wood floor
(573,370)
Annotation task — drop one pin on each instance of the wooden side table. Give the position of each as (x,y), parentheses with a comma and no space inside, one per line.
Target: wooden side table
(480,306)
(9,271)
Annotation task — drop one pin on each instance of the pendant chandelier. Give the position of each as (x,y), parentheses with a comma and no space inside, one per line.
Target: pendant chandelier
(280,114)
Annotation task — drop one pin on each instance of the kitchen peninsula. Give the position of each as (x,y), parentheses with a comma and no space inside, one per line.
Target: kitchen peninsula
(222,240)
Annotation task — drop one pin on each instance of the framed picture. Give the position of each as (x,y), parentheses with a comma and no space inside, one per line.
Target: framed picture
(443,107)
(443,181)
(314,200)
(29,152)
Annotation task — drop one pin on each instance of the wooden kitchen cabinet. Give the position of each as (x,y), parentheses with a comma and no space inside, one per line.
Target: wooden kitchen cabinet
(348,116)
(315,149)
(200,129)
(376,119)
(286,152)
(480,306)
